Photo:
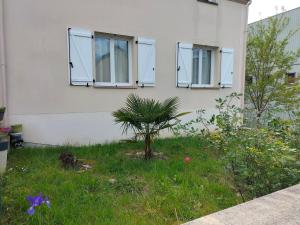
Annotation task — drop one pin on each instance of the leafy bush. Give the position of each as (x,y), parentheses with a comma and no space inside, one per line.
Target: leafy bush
(260,162)
(287,129)
(227,120)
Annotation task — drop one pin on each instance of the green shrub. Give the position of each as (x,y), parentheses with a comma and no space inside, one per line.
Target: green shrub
(260,162)
(227,120)
(17,128)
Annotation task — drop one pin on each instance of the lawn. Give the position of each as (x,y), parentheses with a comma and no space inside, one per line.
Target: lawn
(119,189)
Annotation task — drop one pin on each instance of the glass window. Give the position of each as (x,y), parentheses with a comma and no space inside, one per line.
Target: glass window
(121,61)
(206,67)
(291,78)
(103,60)
(112,60)
(202,66)
(195,78)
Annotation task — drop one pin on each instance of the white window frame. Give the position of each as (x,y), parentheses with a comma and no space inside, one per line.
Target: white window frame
(212,69)
(112,63)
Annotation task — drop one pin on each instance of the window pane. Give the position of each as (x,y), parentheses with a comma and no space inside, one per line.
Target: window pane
(206,67)
(195,78)
(102,59)
(121,61)
(291,78)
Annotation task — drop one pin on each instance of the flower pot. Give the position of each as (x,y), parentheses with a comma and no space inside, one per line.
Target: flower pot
(16,140)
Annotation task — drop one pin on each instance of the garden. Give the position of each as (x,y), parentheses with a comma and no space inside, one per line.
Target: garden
(172,181)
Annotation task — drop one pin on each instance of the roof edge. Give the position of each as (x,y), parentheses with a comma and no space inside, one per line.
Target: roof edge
(245,2)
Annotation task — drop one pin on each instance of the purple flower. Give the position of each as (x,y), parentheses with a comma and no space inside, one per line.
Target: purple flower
(30,211)
(47,202)
(37,201)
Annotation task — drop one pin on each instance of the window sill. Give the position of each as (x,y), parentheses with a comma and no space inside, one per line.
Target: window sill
(146,85)
(205,1)
(206,87)
(115,86)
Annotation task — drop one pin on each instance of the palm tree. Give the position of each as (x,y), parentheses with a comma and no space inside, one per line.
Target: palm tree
(147,117)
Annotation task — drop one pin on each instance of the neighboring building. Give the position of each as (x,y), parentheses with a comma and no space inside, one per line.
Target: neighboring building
(294,43)
(62,84)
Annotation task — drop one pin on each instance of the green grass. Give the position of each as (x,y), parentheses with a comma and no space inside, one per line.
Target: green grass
(154,192)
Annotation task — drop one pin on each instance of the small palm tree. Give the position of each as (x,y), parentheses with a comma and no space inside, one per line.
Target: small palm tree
(147,117)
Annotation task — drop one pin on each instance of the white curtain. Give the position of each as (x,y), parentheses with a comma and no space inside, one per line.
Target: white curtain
(103,60)
(195,78)
(121,61)
(206,66)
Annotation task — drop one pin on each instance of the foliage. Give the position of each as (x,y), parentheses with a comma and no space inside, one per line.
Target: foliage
(17,128)
(261,162)
(143,193)
(2,109)
(147,117)
(268,61)
(286,129)
(227,120)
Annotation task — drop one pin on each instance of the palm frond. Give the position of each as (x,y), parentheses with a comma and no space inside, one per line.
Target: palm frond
(144,115)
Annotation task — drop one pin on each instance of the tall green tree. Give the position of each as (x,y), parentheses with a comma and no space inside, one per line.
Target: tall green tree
(147,117)
(268,61)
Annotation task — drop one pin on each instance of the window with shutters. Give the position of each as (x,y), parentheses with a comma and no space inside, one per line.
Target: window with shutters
(113,61)
(195,66)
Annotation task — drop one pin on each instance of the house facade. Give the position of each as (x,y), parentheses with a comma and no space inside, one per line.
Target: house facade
(66,65)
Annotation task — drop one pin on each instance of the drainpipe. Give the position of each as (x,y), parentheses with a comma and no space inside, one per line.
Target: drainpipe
(245,34)
(3,77)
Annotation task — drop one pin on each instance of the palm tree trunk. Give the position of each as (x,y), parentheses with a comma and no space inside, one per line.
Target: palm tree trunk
(148,152)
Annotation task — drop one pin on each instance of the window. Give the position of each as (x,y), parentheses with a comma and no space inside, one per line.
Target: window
(195,66)
(113,61)
(203,67)
(291,78)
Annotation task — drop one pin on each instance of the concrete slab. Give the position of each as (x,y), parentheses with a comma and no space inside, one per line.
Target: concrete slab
(279,208)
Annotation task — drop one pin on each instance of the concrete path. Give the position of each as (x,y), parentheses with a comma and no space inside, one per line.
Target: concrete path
(279,208)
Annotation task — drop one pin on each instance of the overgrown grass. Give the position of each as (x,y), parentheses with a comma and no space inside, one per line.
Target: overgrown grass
(154,192)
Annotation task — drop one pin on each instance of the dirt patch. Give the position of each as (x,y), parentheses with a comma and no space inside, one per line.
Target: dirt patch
(141,155)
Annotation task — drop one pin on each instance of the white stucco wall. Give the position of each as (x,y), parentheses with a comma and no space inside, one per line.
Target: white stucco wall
(53,112)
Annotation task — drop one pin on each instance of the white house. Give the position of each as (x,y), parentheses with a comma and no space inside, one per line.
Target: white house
(67,64)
